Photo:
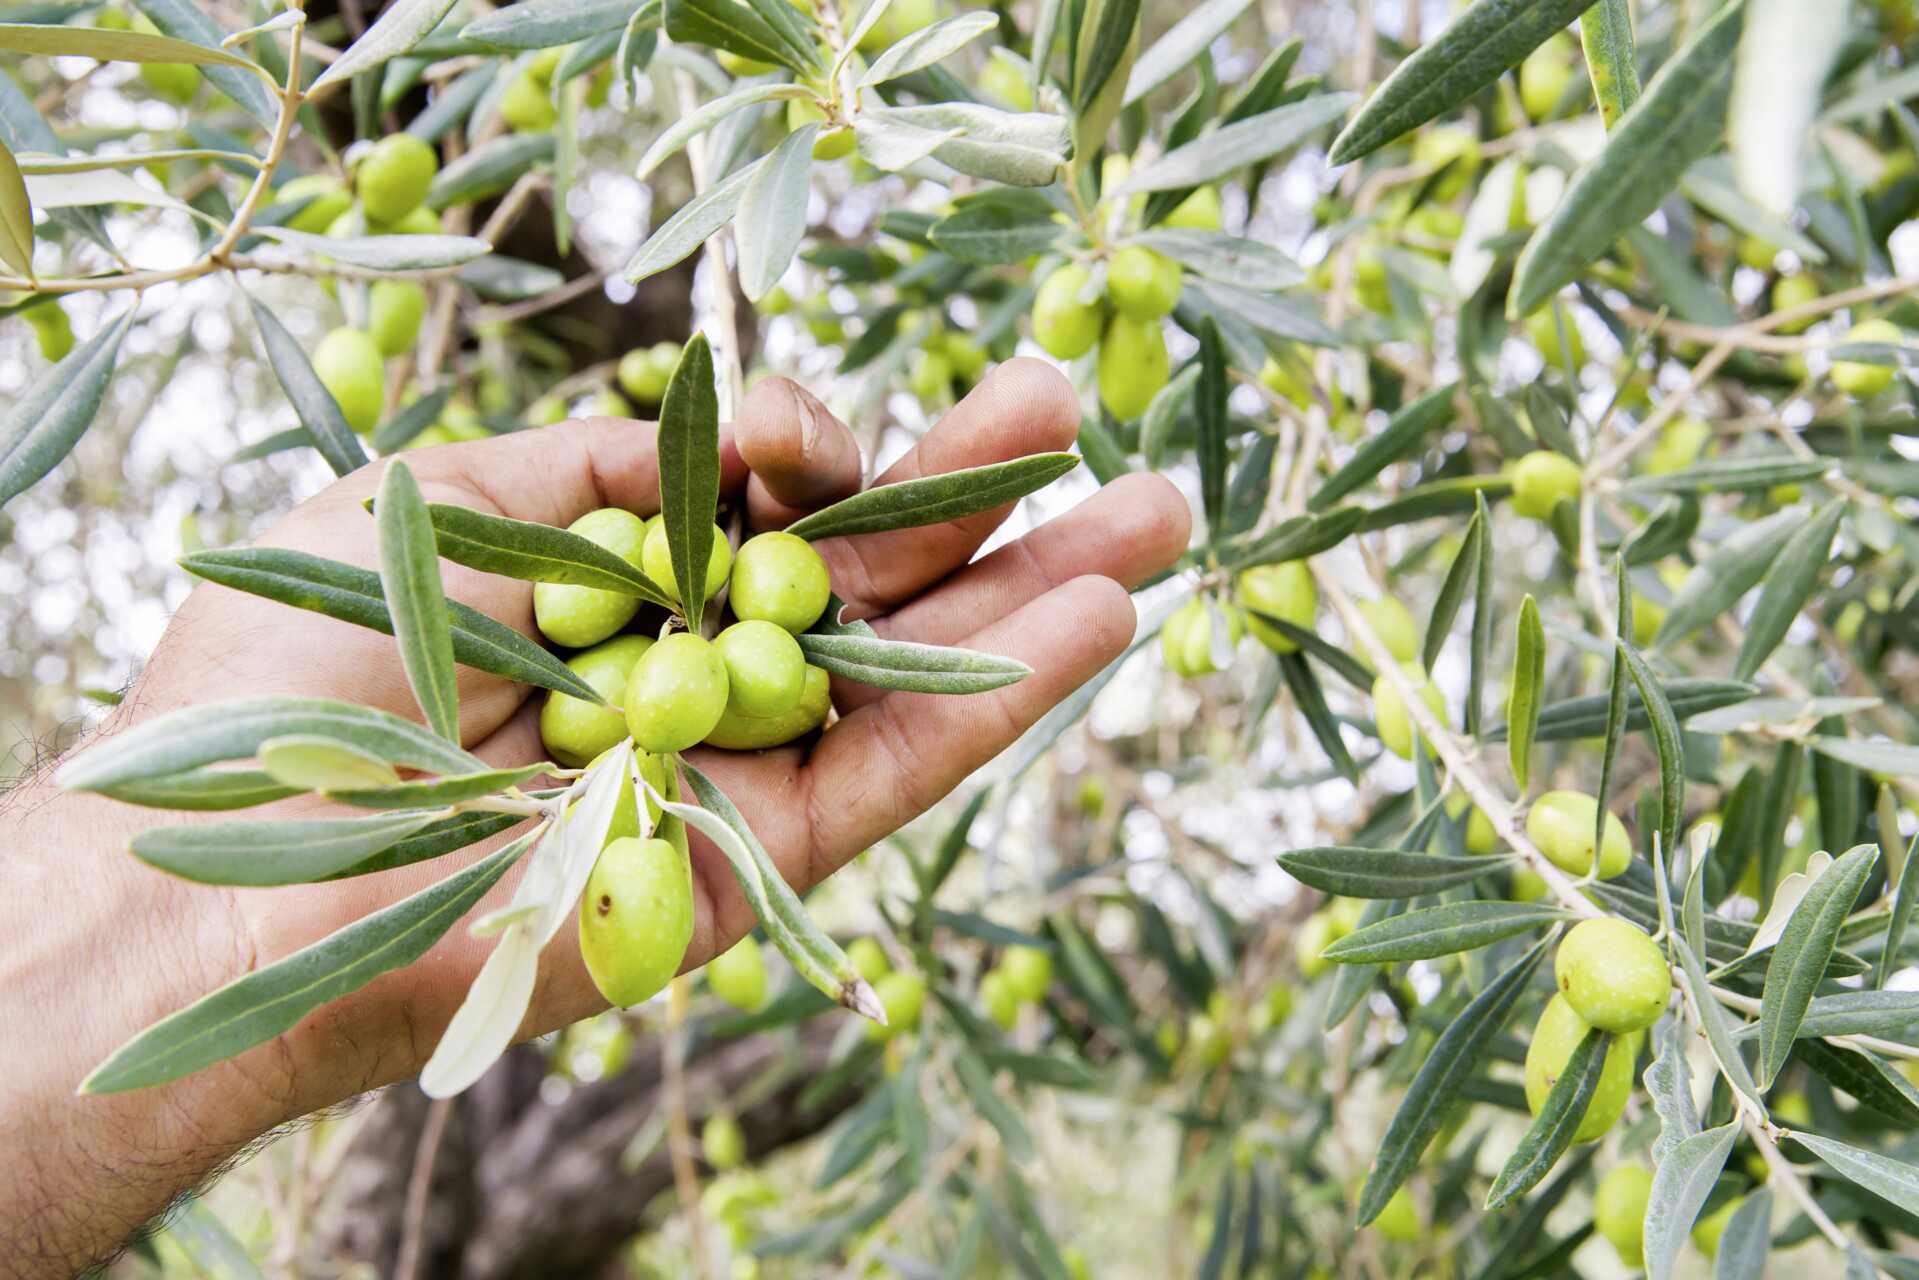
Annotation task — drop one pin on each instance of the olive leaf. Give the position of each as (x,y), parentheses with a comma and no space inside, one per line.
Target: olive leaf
(1889,1179)
(1403,433)
(314,762)
(16,217)
(1679,118)
(1455,1058)
(544,24)
(1889,1015)
(1452,590)
(1529,673)
(689,448)
(814,955)
(996,226)
(1216,255)
(1680,1187)
(1310,699)
(1382,873)
(1789,584)
(410,421)
(275,852)
(1800,957)
(1465,57)
(269,1001)
(1870,1079)
(1553,1129)
(43,425)
(185,21)
(772,218)
(1210,429)
(410,581)
(53,40)
(918,668)
(1905,896)
(1665,733)
(1585,716)
(739,29)
(203,790)
(1185,40)
(448,789)
(696,122)
(489,169)
(1296,538)
(384,253)
(1444,930)
(1668,1082)
(927,46)
(1714,1021)
(400,26)
(319,412)
(535,553)
(937,499)
(353,594)
(1605,35)
(1234,146)
(1735,475)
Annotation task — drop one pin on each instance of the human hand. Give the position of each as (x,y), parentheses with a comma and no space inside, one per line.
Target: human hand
(1054,599)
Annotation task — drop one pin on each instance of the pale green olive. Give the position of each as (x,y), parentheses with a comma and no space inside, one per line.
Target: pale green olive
(1066,323)
(722,1142)
(578,616)
(1613,975)
(1541,480)
(736,732)
(1393,625)
(1391,718)
(1858,378)
(575,730)
(1143,283)
(738,975)
(636,918)
(1133,365)
(868,958)
(395,310)
(349,366)
(1619,1211)
(779,578)
(1555,1037)
(395,176)
(765,670)
(997,998)
(903,996)
(1028,970)
(1562,824)
(656,560)
(1285,591)
(676,694)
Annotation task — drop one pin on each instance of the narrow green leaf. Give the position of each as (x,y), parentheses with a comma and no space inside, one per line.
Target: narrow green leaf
(1680,1187)
(736,28)
(935,499)
(489,169)
(411,420)
(1186,40)
(1251,264)
(689,447)
(212,1250)
(1480,640)
(1403,433)
(772,217)
(1747,1239)
(1102,62)
(1605,33)
(1209,404)
(184,20)
(318,411)
(234,729)
(1529,674)
(410,581)
(52,40)
(1665,733)
(1668,1082)
(1349,668)
(268,1001)
(1905,896)
(1585,716)
(44,424)
(1799,959)
(1872,1080)
(1232,147)
(1553,1129)
(690,126)
(1680,118)
(1735,475)
(1789,584)
(1298,675)
(1889,1015)
(1452,591)
(928,45)
(203,790)
(353,594)
(400,26)
(1876,755)
(1455,1058)
(1382,873)
(313,762)
(1444,930)
(1465,57)
(448,789)
(435,840)
(920,668)
(545,24)
(1885,1177)
(407,252)
(1714,1020)
(273,853)
(16,217)
(997,226)
(535,553)
(1296,538)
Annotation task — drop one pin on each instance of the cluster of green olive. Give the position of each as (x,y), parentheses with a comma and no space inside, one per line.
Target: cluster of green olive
(1189,637)
(1211,1035)
(1018,980)
(642,374)
(1119,303)
(1612,977)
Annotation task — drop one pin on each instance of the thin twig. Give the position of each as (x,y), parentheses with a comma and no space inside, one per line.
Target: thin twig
(419,1185)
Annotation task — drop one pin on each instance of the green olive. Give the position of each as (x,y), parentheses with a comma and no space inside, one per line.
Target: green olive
(1028,970)
(1187,641)
(736,732)
(51,329)
(765,670)
(394,177)
(1711,1227)
(834,142)
(997,998)
(1481,839)
(1005,81)
(1613,975)
(1287,380)
(1545,76)
(421,222)
(1542,326)
(1680,443)
(1318,932)
(1391,718)
(1133,365)
(641,376)
(901,19)
(1208,1040)
(1541,480)
(1619,1210)
(656,560)
(1285,591)
(578,616)
(1448,143)
(1562,823)
(1757,253)
(903,996)
(868,958)
(1271,1009)
(573,729)
(1399,1220)
(1142,283)
(1794,291)
(1857,378)
(527,105)
(738,975)
(1197,212)
(636,918)
(722,1141)
(676,694)
(349,366)
(1393,625)
(1066,322)
(779,578)
(326,196)
(395,310)
(1555,1037)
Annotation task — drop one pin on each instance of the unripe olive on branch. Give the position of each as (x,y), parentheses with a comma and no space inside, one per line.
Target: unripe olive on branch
(1391,718)
(1208,1039)
(1541,480)
(394,177)
(644,372)
(738,975)
(1186,637)
(903,996)
(1066,323)
(1271,1009)
(1436,223)
(178,82)
(636,918)
(1393,625)
(931,378)
(1612,974)
(868,958)
(1003,80)
(1708,1230)
(1545,76)
(1133,365)
(1319,931)
(51,329)
(327,198)
(736,732)
(1440,143)
(1285,591)
(527,105)
(1757,253)
(779,578)
(578,616)
(1680,443)
(900,20)
(573,729)
(1028,970)
(1143,283)
(1555,1037)
(1543,325)
(1288,381)
(722,1142)
(1197,212)
(1619,1211)
(1561,823)
(656,560)
(1481,839)
(1399,1220)
(997,999)
(1794,291)
(1857,378)
(676,694)
(395,310)
(765,670)
(835,142)
(349,366)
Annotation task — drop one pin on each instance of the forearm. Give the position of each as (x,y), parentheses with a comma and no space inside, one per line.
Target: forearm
(94,946)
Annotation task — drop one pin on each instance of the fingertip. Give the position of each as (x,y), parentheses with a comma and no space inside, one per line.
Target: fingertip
(1162,521)
(1105,614)
(1043,397)
(794,444)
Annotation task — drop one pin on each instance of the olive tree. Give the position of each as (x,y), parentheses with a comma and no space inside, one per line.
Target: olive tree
(1555,450)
